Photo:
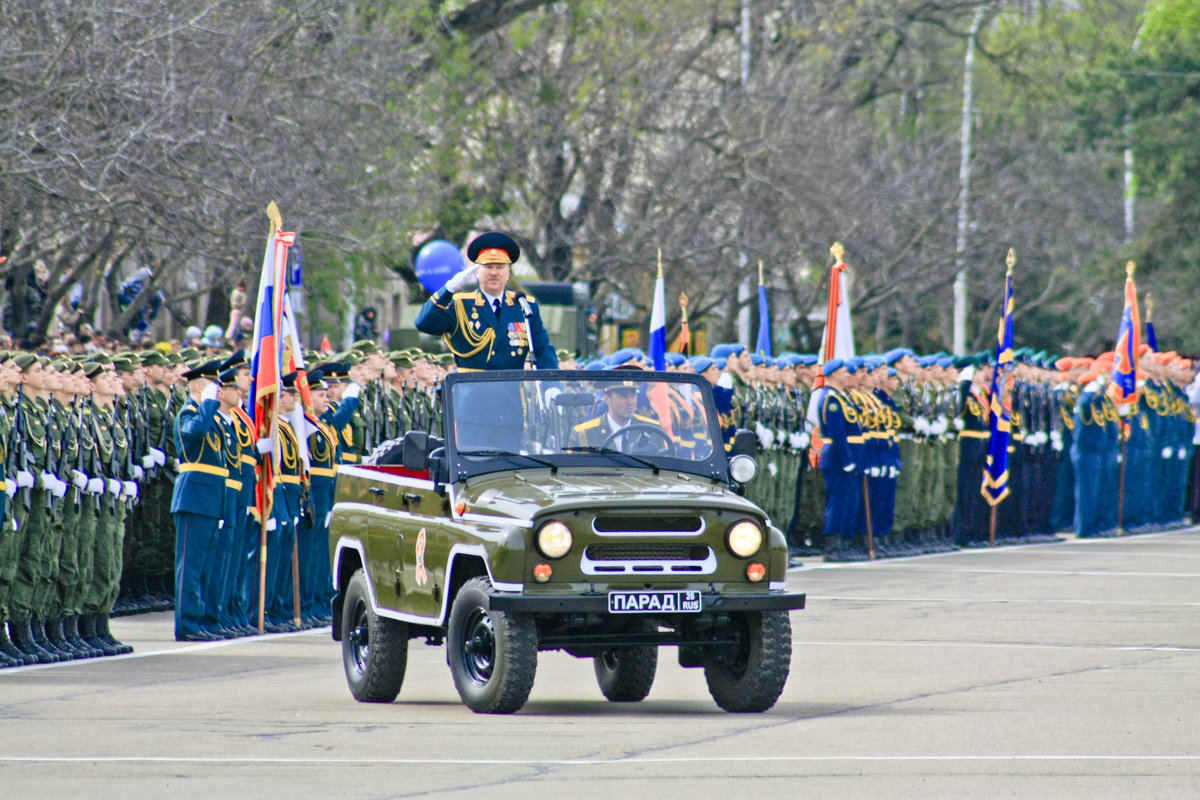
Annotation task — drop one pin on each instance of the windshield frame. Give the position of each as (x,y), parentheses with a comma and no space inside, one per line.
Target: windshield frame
(461,467)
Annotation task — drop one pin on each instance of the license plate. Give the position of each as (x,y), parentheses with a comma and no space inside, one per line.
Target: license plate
(672,602)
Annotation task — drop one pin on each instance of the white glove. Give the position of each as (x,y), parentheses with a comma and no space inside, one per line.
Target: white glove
(25,479)
(1182,454)
(159,456)
(10,486)
(463,278)
(46,480)
(138,473)
(271,524)
(129,489)
(848,468)
(58,488)
(765,437)
(725,381)
(959,424)
(1166,453)
(1124,410)
(78,479)
(921,425)
(804,439)
(220,524)
(147,461)
(967,373)
(114,487)
(175,464)
(1057,445)
(794,440)
(873,472)
(95,486)
(265,445)
(353,390)
(893,472)
(209,393)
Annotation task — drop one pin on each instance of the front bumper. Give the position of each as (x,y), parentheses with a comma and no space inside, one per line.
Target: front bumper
(598,603)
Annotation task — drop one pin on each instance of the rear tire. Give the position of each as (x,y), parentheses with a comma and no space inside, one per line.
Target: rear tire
(625,674)
(753,677)
(374,648)
(492,654)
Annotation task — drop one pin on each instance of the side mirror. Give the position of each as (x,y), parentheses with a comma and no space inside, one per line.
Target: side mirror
(744,443)
(415,451)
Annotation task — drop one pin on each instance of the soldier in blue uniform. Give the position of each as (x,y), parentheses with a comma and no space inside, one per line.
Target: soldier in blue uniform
(840,456)
(492,327)
(198,501)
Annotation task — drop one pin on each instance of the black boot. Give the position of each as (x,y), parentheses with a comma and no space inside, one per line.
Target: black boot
(71,634)
(22,636)
(52,639)
(11,651)
(110,642)
(87,632)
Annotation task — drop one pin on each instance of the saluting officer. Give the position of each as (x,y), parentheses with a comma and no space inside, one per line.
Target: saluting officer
(198,501)
(492,327)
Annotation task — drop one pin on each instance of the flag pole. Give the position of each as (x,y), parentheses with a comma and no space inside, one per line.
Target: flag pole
(870,527)
(1124,433)
(276,224)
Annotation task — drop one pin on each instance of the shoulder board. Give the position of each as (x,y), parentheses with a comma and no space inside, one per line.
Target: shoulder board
(587,426)
(464,295)
(641,418)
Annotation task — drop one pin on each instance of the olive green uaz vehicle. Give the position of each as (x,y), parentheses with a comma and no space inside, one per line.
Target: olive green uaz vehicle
(585,511)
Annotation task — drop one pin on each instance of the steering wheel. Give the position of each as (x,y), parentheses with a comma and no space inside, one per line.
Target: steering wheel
(638,434)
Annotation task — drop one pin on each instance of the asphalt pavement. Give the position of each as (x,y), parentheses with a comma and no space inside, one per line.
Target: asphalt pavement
(1054,670)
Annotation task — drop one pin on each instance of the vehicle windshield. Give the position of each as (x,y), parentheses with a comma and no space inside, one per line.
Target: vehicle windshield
(623,418)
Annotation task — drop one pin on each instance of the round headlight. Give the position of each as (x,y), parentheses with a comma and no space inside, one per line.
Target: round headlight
(744,538)
(554,539)
(742,468)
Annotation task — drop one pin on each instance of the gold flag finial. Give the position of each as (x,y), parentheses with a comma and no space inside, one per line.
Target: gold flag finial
(275,217)
(683,301)
(1011,260)
(1129,268)
(837,251)
(760,272)
(1149,307)
(660,262)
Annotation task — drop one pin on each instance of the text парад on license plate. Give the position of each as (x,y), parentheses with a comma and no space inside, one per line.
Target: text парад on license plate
(674,602)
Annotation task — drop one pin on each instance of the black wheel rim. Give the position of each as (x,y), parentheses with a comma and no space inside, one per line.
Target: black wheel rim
(360,637)
(479,647)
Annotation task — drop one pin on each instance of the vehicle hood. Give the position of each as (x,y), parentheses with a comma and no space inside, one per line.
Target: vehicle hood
(526,494)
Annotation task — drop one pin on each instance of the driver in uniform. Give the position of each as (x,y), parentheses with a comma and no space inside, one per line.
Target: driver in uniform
(622,401)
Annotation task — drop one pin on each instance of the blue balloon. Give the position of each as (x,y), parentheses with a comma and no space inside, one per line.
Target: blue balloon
(437,262)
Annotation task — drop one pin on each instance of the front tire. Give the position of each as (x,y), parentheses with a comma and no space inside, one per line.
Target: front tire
(625,674)
(374,648)
(492,654)
(753,676)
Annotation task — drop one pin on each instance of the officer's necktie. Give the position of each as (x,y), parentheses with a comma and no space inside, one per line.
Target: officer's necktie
(496,306)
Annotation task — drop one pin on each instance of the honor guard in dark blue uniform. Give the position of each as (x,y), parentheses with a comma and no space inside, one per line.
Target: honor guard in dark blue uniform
(315,578)
(492,327)
(841,454)
(285,513)
(198,501)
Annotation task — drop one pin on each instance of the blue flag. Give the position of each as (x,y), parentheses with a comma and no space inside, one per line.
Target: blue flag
(995,471)
(763,344)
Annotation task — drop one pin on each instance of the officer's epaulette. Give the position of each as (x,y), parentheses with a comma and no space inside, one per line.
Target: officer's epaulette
(650,420)
(469,296)
(587,426)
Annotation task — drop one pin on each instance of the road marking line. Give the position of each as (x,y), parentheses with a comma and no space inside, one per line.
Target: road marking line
(998,600)
(518,762)
(1152,648)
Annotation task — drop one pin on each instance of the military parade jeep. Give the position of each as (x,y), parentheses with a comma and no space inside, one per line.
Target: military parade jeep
(583,511)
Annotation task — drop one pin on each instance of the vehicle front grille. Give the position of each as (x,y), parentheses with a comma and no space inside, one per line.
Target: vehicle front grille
(615,524)
(648,558)
(647,552)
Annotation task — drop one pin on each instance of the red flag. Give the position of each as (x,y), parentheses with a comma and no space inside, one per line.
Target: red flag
(326,347)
